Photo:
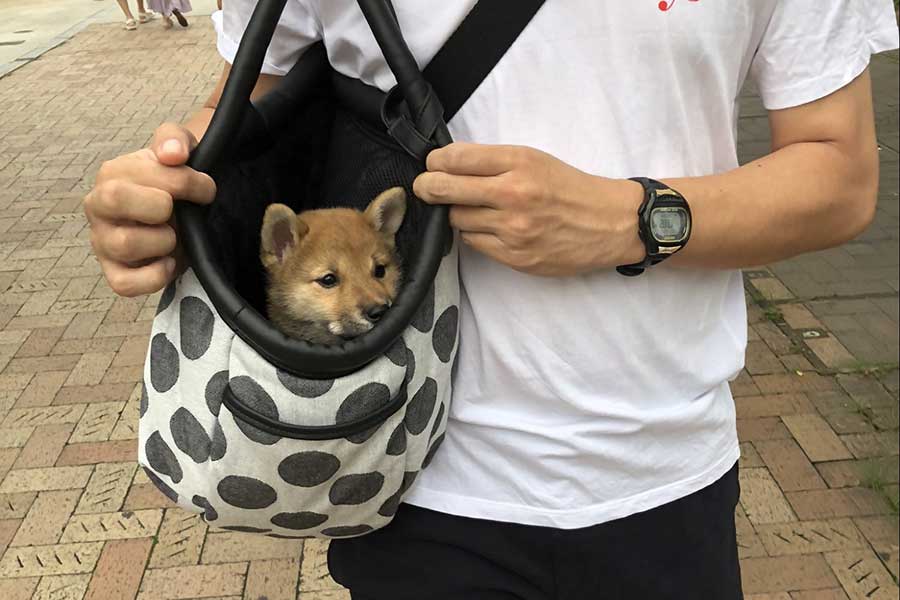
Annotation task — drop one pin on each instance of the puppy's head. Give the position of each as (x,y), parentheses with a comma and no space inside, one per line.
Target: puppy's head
(333,273)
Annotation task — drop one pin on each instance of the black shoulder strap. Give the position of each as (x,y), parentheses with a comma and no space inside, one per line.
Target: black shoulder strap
(476,46)
(456,71)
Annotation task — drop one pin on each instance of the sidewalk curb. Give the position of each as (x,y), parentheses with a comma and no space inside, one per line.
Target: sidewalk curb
(62,38)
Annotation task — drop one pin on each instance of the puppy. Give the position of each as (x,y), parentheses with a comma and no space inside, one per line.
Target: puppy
(334,272)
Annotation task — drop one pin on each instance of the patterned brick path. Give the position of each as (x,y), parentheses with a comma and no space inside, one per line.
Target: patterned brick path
(817,403)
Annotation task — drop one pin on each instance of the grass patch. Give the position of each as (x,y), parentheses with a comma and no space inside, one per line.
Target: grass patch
(870,369)
(773,314)
(874,475)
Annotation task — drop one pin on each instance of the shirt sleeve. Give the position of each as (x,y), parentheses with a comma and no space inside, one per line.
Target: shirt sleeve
(297,29)
(812,48)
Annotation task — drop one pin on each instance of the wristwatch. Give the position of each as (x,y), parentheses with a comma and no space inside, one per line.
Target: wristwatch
(664,225)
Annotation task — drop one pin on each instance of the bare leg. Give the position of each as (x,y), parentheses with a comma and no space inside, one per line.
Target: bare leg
(141,6)
(123,4)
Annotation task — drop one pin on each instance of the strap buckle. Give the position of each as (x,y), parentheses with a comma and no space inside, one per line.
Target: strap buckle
(414,133)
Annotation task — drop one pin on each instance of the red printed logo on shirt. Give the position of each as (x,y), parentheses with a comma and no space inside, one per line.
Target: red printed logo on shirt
(665,5)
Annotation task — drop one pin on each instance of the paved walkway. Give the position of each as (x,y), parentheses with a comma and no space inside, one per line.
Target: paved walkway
(817,403)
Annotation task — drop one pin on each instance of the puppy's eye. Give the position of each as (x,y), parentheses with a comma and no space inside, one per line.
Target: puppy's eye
(380,271)
(328,281)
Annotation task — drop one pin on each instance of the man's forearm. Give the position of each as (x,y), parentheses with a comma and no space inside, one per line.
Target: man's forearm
(804,197)
(817,189)
(199,122)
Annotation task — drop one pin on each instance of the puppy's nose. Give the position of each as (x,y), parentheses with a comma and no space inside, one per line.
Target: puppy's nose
(374,313)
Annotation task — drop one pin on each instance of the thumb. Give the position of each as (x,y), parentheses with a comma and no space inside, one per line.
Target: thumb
(172,144)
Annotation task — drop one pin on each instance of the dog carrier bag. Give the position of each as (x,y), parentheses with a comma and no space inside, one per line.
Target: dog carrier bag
(264,433)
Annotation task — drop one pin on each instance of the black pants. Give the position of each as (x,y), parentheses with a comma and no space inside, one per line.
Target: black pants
(684,550)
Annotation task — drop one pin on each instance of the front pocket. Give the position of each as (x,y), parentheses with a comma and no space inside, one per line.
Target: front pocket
(276,404)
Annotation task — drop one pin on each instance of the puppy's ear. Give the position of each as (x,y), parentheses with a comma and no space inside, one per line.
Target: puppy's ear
(387,210)
(281,233)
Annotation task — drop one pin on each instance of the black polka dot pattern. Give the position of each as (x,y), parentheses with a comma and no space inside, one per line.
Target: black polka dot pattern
(306,388)
(410,366)
(166,299)
(145,402)
(209,513)
(397,353)
(219,444)
(424,317)
(356,489)
(391,505)
(444,337)
(346,531)
(437,421)
(246,492)
(362,402)
(299,520)
(431,451)
(214,390)
(362,436)
(252,395)
(189,435)
(420,408)
(397,444)
(161,458)
(308,469)
(197,321)
(278,490)
(161,485)
(163,363)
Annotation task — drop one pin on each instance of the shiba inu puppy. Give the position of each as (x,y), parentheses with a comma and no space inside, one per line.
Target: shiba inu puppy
(334,272)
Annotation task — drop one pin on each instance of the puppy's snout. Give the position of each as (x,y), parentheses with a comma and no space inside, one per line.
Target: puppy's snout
(374,313)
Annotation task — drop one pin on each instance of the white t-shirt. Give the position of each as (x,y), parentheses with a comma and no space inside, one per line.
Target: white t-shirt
(584,399)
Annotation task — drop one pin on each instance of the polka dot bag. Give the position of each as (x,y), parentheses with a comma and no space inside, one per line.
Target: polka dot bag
(262,433)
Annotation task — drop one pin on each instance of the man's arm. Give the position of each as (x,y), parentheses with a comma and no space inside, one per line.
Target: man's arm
(199,122)
(539,215)
(817,189)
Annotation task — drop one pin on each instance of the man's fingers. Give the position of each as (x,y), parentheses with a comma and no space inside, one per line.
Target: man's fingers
(135,281)
(121,200)
(182,183)
(488,244)
(130,243)
(472,219)
(461,158)
(441,188)
(172,144)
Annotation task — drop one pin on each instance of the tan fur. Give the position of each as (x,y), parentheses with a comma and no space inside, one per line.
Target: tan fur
(299,250)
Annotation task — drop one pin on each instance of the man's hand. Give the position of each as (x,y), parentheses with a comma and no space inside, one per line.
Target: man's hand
(130,211)
(533,212)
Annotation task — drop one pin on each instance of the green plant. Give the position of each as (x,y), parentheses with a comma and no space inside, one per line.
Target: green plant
(871,369)
(773,314)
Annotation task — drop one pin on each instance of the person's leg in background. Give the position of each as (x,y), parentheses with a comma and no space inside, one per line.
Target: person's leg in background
(143,15)
(130,23)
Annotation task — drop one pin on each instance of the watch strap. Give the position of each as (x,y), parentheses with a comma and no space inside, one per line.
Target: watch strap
(652,256)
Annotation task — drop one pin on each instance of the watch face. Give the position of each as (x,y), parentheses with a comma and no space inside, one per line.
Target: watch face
(669,224)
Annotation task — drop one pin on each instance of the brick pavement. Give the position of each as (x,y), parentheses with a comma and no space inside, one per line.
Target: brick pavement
(817,403)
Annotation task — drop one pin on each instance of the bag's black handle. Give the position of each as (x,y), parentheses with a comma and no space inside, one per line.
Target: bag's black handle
(292,355)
